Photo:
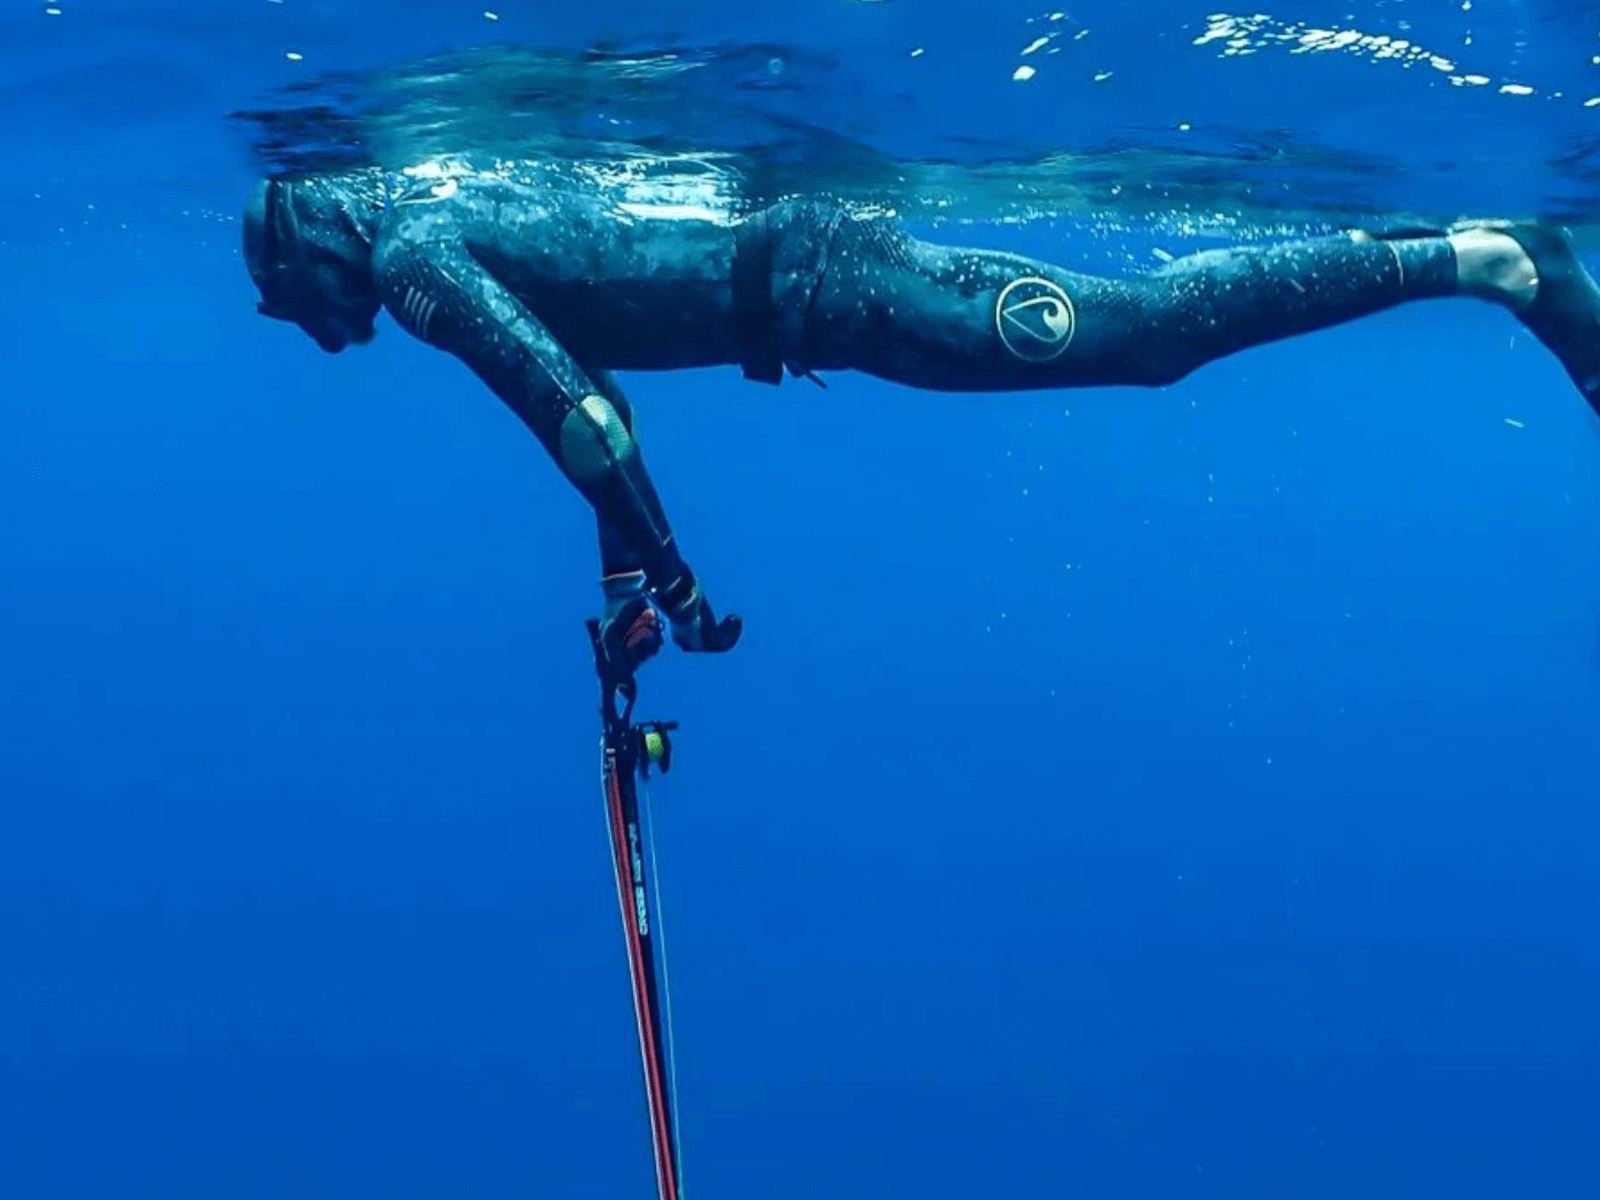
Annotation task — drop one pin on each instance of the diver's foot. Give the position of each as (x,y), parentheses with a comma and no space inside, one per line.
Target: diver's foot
(1559,304)
(1492,264)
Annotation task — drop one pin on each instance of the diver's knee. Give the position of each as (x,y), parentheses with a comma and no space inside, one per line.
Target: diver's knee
(593,441)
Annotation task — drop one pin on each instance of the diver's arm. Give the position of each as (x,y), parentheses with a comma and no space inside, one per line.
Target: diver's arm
(445,297)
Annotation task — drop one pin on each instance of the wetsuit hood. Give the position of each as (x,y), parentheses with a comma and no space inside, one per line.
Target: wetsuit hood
(258,239)
(308,248)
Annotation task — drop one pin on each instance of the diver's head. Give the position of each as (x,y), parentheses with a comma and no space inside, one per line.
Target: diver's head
(308,246)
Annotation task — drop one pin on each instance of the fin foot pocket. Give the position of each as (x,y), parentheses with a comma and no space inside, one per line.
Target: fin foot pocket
(1565,312)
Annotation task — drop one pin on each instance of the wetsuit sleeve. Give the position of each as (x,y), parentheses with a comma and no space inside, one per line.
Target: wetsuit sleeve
(444,296)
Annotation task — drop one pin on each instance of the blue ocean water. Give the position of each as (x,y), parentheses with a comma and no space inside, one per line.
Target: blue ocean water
(1118,794)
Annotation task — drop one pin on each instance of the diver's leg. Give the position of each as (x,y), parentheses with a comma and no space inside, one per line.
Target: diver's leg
(955,319)
(630,629)
(621,566)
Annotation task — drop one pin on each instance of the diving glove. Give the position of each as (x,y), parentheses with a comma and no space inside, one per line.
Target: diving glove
(630,630)
(695,627)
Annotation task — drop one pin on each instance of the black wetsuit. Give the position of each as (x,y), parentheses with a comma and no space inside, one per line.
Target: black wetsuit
(542,291)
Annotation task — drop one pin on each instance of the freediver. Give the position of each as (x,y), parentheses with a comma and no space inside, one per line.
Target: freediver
(543,289)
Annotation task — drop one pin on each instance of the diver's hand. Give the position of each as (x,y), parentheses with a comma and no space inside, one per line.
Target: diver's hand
(695,628)
(630,634)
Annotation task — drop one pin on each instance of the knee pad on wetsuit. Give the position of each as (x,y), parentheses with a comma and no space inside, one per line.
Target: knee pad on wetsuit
(594,441)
